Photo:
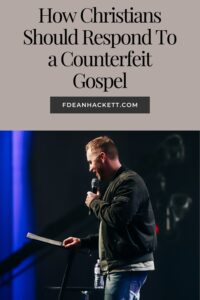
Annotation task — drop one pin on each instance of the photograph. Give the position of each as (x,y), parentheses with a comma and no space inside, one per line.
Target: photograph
(99,215)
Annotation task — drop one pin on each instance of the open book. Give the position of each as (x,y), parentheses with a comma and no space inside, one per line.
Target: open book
(43,239)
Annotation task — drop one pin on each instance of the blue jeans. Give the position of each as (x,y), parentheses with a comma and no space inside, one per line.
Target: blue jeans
(124,285)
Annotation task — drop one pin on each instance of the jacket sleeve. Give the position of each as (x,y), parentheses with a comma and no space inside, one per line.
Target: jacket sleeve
(123,206)
(90,241)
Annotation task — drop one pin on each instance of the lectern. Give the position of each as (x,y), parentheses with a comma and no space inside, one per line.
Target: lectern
(85,291)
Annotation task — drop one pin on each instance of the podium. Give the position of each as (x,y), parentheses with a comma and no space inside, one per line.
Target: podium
(85,291)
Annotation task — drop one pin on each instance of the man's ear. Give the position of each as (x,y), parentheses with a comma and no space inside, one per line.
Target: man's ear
(103,156)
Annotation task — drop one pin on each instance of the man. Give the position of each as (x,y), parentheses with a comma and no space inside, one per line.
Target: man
(127,235)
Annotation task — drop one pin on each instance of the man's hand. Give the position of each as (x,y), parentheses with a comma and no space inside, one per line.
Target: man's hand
(71,242)
(90,197)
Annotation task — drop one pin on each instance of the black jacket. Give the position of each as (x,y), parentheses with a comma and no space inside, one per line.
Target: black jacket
(128,224)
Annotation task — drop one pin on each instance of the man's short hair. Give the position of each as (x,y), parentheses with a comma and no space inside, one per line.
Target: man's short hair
(103,144)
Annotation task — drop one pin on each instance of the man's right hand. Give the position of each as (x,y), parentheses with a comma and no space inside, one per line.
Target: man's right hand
(71,242)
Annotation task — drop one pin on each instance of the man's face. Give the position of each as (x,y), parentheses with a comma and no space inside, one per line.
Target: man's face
(95,163)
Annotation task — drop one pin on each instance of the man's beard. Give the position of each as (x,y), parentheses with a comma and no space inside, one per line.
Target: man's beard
(100,174)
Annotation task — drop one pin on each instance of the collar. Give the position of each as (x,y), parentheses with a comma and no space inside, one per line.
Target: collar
(119,171)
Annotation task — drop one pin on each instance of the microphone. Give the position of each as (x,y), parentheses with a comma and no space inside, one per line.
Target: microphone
(94,188)
(95,185)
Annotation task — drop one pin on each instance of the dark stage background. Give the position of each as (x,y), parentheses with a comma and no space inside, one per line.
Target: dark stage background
(169,163)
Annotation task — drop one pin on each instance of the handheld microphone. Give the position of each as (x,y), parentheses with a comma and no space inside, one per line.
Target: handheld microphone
(94,188)
(95,185)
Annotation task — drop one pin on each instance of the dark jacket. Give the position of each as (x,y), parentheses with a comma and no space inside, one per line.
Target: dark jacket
(128,224)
